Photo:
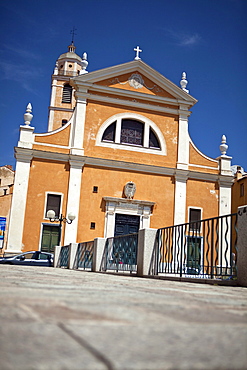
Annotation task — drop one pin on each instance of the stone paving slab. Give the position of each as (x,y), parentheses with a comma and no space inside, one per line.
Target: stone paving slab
(63,319)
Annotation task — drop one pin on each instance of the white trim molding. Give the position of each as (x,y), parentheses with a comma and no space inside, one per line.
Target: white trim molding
(73,203)
(181,178)
(147,125)
(128,207)
(18,206)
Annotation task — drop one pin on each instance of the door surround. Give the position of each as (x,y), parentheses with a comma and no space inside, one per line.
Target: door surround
(133,207)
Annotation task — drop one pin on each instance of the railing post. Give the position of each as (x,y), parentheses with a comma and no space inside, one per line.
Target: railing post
(57,251)
(146,242)
(99,246)
(242,246)
(72,254)
(212,273)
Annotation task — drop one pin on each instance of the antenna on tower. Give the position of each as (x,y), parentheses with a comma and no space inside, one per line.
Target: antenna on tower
(73,33)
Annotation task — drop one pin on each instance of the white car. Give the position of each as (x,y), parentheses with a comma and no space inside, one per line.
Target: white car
(32,258)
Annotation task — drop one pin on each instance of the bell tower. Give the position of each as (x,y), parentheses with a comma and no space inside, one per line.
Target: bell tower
(62,100)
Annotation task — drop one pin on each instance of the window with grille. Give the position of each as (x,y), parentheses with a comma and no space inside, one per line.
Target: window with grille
(153,140)
(53,202)
(109,134)
(131,133)
(67,93)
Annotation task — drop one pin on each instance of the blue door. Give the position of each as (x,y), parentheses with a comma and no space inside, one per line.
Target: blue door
(126,224)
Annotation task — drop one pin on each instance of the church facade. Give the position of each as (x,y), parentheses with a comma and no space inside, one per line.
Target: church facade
(117,154)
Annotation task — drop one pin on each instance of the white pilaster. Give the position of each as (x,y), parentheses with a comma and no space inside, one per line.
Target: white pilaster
(79,123)
(225,185)
(73,203)
(183,140)
(180,198)
(145,219)
(110,219)
(26,137)
(52,104)
(225,191)
(18,207)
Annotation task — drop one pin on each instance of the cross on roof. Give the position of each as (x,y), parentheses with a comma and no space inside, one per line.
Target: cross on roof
(73,33)
(138,50)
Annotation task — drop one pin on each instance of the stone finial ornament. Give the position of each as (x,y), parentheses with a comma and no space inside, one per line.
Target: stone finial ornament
(28,115)
(184,82)
(56,69)
(223,145)
(84,64)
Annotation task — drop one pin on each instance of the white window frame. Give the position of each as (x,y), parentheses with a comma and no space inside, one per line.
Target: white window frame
(46,197)
(199,208)
(124,146)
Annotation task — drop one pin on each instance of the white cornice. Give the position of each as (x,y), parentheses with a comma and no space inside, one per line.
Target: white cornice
(61,109)
(133,104)
(201,166)
(129,201)
(136,95)
(142,68)
(121,165)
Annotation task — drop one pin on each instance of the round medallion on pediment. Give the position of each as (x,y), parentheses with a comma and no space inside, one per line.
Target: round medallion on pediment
(136,81)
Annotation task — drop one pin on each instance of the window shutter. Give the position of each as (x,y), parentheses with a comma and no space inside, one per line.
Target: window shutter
(67,94)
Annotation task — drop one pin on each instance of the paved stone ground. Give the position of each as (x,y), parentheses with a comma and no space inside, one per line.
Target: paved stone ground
(57,319)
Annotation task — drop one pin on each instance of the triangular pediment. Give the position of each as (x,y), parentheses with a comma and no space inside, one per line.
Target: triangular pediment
(135,76)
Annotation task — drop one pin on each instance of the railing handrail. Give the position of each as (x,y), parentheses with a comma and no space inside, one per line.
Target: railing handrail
(200,221)
(121,236)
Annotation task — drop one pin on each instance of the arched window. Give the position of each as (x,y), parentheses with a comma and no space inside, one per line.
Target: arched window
(131,132)
(153,140)
(109,133)
(67,93)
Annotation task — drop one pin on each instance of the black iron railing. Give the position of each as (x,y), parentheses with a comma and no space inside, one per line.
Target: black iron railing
(84,256)
(120,253)
(203,249)
(63,260)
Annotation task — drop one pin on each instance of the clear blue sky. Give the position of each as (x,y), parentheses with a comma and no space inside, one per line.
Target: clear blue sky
(205,38)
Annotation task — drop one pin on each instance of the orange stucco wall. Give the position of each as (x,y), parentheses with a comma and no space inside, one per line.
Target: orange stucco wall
(59,116)
(198,159)
(121,82)
(44,176)
(205,195)
(153,188)
(56,138)
(237,198)
(97,114)
(59,95)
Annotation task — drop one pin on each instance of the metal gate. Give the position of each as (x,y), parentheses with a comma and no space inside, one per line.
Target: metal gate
(84,256)
(120,253)
(202,249)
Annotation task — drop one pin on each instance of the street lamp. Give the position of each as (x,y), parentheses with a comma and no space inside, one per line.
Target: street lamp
(52,217)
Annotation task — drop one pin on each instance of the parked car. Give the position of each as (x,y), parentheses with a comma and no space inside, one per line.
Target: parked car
(32,258)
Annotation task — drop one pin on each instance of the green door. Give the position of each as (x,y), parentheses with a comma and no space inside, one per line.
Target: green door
(50,237)
(193,255)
